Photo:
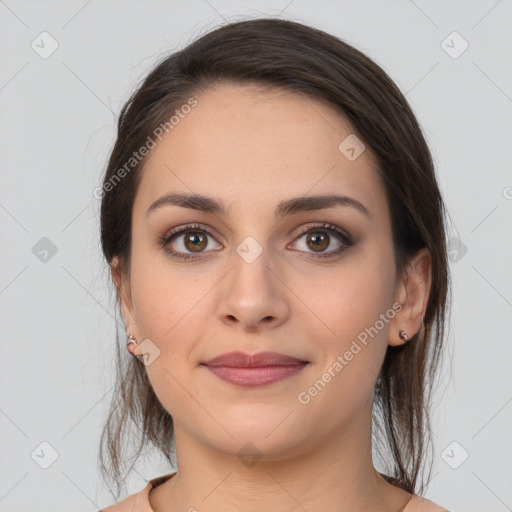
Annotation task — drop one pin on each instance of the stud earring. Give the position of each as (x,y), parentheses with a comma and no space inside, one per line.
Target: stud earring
(133,341)
(403,335)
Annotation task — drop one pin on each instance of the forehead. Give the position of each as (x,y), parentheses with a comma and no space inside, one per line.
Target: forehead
(249,145)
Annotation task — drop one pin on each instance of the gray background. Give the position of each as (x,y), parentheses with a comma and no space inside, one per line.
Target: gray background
(57,126)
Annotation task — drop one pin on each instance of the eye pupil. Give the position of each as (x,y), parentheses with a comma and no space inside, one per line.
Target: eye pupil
(320,241)
(195,237)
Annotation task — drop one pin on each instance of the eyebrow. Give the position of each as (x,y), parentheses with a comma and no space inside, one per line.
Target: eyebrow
(284,208)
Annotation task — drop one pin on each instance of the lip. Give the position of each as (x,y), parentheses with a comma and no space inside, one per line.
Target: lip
(250,370)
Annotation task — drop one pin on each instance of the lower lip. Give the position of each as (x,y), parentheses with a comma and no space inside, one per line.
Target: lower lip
(258,376)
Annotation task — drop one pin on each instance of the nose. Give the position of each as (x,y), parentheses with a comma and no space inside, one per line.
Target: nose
(254,296)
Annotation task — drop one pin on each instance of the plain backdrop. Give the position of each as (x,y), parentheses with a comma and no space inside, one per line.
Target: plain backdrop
(68,67)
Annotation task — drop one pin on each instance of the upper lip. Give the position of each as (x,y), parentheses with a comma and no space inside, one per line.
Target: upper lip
(241,359)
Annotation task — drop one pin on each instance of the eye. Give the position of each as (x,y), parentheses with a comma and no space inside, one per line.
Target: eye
(191,237)
(190,241)
(319,238)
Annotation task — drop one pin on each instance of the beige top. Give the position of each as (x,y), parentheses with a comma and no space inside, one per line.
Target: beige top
(139,502)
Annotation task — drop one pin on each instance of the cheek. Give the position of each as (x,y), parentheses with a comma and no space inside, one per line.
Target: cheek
(163,298)
(348,303)
(171,308)
(349,357)
(169,312)
(355,309)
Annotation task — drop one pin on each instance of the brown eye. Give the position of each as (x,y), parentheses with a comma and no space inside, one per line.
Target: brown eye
(186,242)
(195,241)
(324,241)
(317,240)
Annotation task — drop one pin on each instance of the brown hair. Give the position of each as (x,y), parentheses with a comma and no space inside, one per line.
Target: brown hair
(295,57)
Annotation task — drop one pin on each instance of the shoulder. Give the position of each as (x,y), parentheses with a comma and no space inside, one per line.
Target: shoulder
(138,502)
(134,502)
(420,504)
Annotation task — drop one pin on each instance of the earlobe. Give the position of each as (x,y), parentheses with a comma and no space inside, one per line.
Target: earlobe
(398,337)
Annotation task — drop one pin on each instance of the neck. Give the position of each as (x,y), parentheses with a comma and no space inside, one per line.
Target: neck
(336,474)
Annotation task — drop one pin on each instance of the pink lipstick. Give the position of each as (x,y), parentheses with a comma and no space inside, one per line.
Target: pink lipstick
(254,370)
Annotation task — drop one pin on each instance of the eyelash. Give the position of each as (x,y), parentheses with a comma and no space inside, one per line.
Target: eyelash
(343,236)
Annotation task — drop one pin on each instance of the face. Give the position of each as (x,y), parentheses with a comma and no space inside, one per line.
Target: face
(265,274)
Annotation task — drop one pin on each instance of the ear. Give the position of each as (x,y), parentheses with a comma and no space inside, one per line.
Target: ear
(413,293)
(122,285)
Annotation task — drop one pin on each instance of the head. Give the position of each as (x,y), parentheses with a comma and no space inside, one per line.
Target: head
(255,115)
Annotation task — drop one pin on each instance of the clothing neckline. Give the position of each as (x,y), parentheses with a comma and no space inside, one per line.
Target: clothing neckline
(159,480)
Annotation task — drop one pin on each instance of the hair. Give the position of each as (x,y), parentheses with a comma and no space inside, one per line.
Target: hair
(291,56)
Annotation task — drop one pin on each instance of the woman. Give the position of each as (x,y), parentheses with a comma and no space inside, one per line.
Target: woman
(275,233)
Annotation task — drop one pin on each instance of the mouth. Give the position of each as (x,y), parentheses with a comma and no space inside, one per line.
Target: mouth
(249,370)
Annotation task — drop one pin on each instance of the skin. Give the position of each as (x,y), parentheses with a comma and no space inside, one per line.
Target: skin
(253,148)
